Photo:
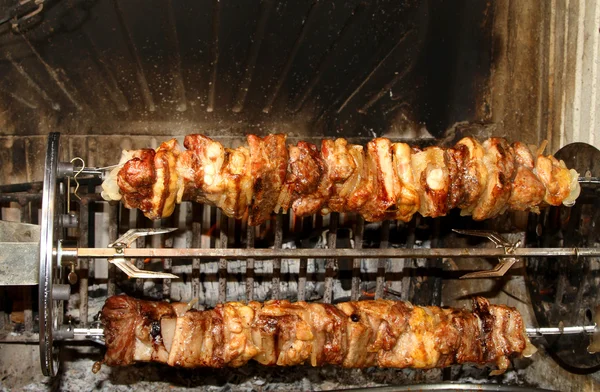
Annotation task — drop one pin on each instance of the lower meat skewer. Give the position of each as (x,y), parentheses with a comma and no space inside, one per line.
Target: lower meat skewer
(360,334)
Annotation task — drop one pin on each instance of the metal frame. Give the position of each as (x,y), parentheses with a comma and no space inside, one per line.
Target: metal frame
(48,234)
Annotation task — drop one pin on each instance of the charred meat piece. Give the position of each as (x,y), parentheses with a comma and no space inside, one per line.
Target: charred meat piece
(150,182)
(136,180)
(268,164)
(311,192)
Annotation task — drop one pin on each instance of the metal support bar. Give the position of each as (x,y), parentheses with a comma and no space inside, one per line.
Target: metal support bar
(331,265)
(224,239)
(276,280)
(236,253)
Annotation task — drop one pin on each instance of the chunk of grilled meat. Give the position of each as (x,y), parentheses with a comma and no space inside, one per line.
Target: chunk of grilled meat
(527,189)
(360,334)
(499,162)
(385,180)
(268,164)
(150,182)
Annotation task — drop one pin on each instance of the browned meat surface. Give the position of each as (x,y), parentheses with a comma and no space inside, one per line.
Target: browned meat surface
(215,175)
(527,190)
(352,334)
(132,330)
(382,200)
(136,179)
(304,173)
(499,162)
(364,182)
(312,201)
(149,181)
(385,180)
(268,164)
(433,181)
(473,173)
(408,198)
(343,172)
(556,178)
(165,187)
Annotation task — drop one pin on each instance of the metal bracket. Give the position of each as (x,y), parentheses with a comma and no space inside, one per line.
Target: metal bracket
(126,265)
(505,263)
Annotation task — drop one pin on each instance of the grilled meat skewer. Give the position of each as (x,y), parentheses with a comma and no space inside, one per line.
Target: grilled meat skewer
(360,334)
(383,180)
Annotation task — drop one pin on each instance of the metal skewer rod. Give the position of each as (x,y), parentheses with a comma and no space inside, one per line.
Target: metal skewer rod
(88,332)
(532,332)
(72,253)
(538,332)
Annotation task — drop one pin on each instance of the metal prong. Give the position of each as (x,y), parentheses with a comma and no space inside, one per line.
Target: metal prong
(493,236)
(505,262)
(133,272)
(133,234)
(498,271)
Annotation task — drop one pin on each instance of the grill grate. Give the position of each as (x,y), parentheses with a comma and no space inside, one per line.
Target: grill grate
(297,278)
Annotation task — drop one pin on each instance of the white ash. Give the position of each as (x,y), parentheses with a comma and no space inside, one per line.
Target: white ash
(76,375)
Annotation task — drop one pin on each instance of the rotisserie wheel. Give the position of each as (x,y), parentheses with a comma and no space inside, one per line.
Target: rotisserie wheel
(384,180)
(358,334)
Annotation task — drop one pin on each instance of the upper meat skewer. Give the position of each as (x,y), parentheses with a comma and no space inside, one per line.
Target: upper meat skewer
(360,334)
(385,180)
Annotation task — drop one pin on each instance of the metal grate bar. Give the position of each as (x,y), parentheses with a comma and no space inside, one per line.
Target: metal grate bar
(140,243)
(356,263)
(276,281)
(84,263)
(410,244)
(113,234)
(303,267)
(331,264)
(223,239)
(196,211)
(436,242)
(383,244)
(302,279)
(167,242)
(250,234)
